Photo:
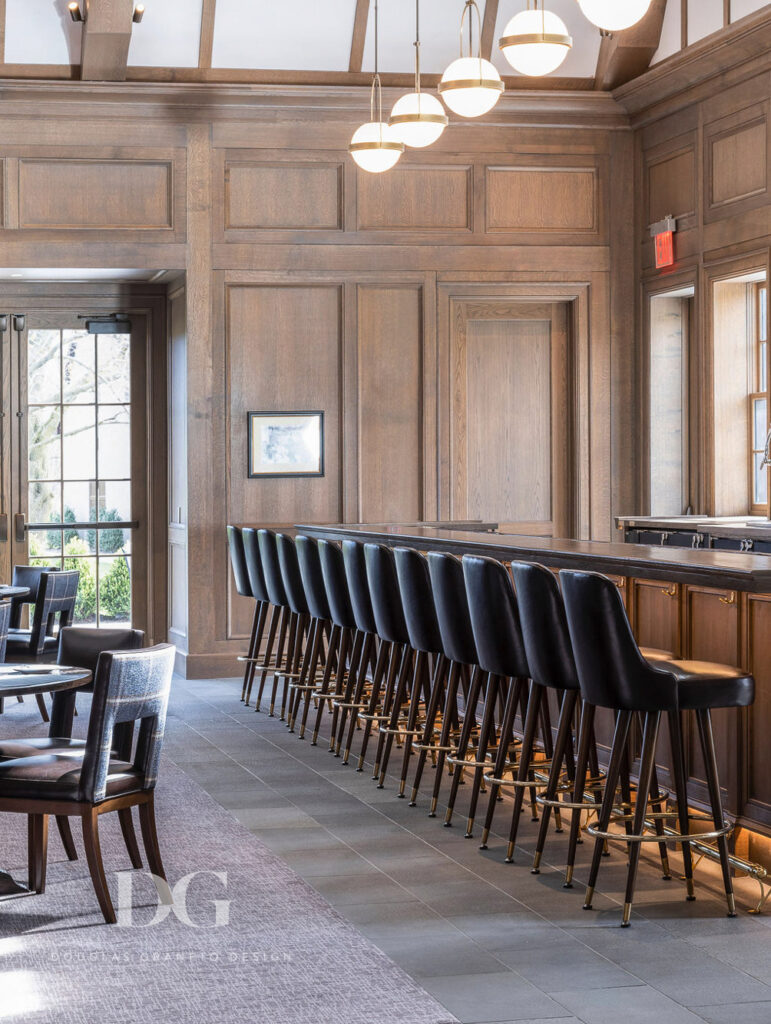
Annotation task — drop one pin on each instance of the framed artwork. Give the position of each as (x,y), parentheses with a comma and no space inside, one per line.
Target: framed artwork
(286,444)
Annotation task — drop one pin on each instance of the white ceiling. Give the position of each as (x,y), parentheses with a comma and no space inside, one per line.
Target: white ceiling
(315,35)
(72,274)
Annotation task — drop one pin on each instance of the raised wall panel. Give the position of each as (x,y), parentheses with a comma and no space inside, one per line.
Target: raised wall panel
(95,194)
(562,199)
(738,163)
(390,381)
(759,777)
(415,198)
(275,196)
(672,186)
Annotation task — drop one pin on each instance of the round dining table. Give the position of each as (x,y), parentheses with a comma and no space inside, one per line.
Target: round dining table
(7,591)
(30,680)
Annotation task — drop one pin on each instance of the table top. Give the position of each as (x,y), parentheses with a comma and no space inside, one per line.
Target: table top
(19,680)
(6,591)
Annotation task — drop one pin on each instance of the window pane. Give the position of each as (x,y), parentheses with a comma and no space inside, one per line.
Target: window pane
(80,501)
(45,500)
(760,421)
(42,544)
(763,384)
(115,501)
(79,443)
(761,481)
(85,603)
(763,303)
(112,542)
(115,590)
(43,366)
(78,384)
(114,375)
(44,443)
(114,442)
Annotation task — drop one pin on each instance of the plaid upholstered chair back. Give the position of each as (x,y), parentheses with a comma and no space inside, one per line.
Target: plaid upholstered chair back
(5,622)
(56,595)
(26,576)
(130,686)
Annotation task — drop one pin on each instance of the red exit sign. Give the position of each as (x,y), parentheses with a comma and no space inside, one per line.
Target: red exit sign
(663,237)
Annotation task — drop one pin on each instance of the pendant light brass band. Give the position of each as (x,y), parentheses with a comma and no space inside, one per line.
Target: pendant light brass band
(472,83)
(355,147)
(419,119)
(552,38)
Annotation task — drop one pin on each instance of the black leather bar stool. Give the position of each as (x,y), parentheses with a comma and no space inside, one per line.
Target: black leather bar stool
(423,629)
(398,718)
(336,586)
(274,584)
(244,589)
(299,663)
(458,647)
(321,626)
(613,674)
(265,614)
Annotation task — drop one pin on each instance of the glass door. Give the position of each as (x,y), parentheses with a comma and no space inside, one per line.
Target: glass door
(77,436)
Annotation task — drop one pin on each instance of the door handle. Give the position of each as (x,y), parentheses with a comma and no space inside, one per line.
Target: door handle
(19,525)
(3,527)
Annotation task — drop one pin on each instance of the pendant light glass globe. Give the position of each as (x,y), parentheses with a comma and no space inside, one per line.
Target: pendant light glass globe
(471,86)
(418,119)
(614,15)
(535,42)
(375,147)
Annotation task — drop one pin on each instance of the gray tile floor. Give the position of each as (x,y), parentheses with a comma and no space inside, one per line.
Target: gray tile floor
(489,940)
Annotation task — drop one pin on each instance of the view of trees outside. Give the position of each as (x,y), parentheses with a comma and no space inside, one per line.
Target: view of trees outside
(79,464)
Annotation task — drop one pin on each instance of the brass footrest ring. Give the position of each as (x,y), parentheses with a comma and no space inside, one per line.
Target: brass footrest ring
(654,837)
(347,704)
(435,747)
(373,717)
(387,731)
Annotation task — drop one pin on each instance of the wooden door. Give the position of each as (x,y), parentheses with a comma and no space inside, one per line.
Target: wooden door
(511,413)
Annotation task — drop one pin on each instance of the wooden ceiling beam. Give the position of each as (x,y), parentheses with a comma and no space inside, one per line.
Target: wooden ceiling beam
(359,36)
(625,55)
(208,10)
(488,28)
(106,38)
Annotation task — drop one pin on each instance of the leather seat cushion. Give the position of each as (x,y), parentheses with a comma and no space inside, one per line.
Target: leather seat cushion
(652,654)
(10,749)
(56,776)
(704,684)
(19,640)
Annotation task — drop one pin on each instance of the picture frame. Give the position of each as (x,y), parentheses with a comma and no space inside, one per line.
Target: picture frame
(285,444)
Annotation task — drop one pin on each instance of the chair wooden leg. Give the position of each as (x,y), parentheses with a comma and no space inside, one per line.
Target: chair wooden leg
(486,736)
(385,657)
(129,836)
(679,778)
(513,690)
(417,693)
(704,721)
(432,708)
(150,838)
(524,771)
(564,732)
(464,740)
(332,649)
(344,656)
(583,764)
(90,820)
(647,764)
(42,705)
(275,615)
(65,832)
(400,697)
(450,703)
(37,850)
(250,649)
(617,756)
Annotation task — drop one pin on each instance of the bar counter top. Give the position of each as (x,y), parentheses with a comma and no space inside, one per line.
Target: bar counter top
(750,573)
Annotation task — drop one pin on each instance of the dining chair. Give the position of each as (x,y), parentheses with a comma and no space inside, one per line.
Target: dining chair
(129,687)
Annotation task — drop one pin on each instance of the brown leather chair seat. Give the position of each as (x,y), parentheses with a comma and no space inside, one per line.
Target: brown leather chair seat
(56,776)
(12,749)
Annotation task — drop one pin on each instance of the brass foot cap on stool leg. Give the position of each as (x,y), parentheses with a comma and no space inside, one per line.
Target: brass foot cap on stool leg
(485,837)
(413,797)
(346,755)
(536,868)
(667,874)
(402,786)
(510,853)
(588,897)
(731,904)
(432,812)
(469,829)
(568,883)
(626,915)
(691,894)
(448,818)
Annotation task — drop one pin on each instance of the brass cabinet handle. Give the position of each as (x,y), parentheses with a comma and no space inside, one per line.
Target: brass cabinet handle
(731,599)
(670,591)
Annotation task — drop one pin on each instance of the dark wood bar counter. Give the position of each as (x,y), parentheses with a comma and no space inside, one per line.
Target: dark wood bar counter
(706,605)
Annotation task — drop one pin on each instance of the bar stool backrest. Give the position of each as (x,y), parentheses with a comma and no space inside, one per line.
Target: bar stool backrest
(336,585)
(451,606)
(494,618)
(271,568)
(238,561)
(358,587)
(418,600)
(254,564)
(313,578)
(290,574)
(385,594)
(611,670)
(544,626)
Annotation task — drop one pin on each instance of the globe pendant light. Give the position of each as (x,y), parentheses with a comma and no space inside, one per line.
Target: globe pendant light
(418,119)
(471,85)
(614,15)
(374,145)
(535,42)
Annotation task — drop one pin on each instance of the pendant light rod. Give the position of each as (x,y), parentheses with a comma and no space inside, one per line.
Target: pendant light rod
(376,87)
(471,4)
(417,46)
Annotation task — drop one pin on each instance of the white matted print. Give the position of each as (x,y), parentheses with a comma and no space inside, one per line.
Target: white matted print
(286,443)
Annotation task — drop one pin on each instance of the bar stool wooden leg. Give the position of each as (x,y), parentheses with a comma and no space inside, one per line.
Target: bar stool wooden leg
(525,759)
(647,762)
(617,756)
(276,614)
(513,696)
(251,667)
(432,709)
(389,694)
(339,641)
(378,671)
(302,689)
(250,648)
(486,738)
(681,795)
(293,657)
(417,697)
(356,681)
(345,680)
(385,668)
(464,741)
(704,721)
(564,733)
(451,699)
(400,697)
(583,763)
